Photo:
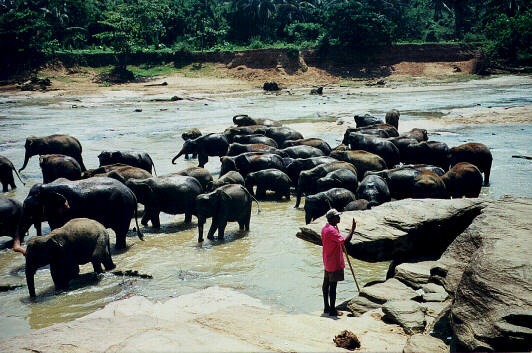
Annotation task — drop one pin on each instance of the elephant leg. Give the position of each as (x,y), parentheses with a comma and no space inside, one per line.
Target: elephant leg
(194,155)
(145,216)
(38,228)
(202,159)
(241,224)
(188,218)
(97,266)
(221,229)
(487,172)
(261,192)
(5,186)
(61,275)
(186,156)
(212,229)
(155,221)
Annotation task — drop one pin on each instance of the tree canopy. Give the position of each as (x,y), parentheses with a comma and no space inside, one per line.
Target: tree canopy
(28,27)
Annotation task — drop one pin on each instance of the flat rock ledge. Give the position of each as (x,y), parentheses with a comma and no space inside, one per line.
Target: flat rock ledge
(211,320)
(402,230)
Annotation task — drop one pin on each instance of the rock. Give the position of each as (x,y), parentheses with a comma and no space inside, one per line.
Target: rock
(492,309)
(360,305)
(403,229)
(347,339)
(435,297)
(406,313)
(391,289)
(425,343)
(432,288)
(414,274)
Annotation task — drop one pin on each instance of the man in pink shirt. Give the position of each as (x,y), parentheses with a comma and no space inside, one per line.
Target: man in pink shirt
(333,259)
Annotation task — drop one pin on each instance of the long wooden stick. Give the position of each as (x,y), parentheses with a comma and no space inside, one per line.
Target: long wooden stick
(350,266)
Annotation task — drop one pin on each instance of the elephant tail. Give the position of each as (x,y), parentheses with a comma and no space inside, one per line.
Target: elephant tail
(18,176)
(139,234)
(258,205)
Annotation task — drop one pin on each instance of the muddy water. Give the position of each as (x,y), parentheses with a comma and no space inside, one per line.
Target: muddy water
(269,262)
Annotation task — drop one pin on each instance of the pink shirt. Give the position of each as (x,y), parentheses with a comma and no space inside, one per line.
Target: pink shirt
(332,240)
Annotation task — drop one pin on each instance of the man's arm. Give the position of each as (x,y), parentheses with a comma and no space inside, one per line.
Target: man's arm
(350,235)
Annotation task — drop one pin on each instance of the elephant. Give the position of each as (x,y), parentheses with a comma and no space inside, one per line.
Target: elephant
(295,166)
(231,177)
(379,130)
(255,138)
(429,152)
(237,148)
(339,178)
(313,142)
(55,166)
(306,183)
(60,144)
(191,134)
(79,241)
(103,199)
(414,182)
(403,143)
(363,161)
(135,159)
(302,151)
(269,179)
(374,189)
(246,163)
(118,171)
(228,203)
(246,120)
(379,146)
(213,144)
(11,218)
(318,204)
(200,174)
(357,205)
(417,134)
(231,132)
(392,118)
(6,174)
(281,134)
(174,194)
(474,153)
(366,119)
(463,179)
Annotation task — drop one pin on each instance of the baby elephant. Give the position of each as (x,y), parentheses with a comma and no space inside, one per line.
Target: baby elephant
(79,241)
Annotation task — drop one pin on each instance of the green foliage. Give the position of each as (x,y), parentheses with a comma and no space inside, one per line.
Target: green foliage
(511,37)
(356,24)
(29,28)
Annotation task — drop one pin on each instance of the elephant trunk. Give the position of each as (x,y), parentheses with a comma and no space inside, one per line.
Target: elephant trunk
(26,159)
(177,156)
(30,272)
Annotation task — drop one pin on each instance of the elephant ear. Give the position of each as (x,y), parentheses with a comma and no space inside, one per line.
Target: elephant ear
(54,203)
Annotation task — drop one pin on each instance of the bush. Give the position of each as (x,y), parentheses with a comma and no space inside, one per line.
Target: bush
(305,32)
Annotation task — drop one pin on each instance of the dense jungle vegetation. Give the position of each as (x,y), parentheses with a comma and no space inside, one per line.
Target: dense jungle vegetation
(29,28)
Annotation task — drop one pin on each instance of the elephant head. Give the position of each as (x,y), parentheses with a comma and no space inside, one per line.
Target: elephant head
(40,252)
(207,206)
(243,120)
(141,189)
(41,205)
(228,164)
(32,146)
(315,207)
(190,146)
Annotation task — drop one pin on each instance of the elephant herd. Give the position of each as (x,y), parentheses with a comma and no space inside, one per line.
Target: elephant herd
(374,164)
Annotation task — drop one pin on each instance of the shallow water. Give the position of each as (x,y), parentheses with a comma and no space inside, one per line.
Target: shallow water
(269,262)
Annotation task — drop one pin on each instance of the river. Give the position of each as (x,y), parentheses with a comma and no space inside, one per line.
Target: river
(269,262)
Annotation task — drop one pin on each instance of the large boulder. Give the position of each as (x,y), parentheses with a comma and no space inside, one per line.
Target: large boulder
(402,230)
(425,343)
(407,313)
(492,309)
(414,274)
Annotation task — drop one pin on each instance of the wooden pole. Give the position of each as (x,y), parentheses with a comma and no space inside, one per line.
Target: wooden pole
(350,266)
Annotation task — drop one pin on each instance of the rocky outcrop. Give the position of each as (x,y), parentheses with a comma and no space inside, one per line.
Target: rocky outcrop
(488,268)
(407,313)
(425,343)
(404,229)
